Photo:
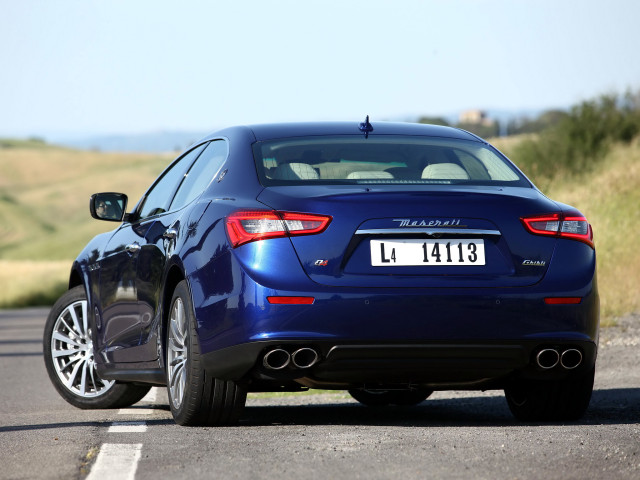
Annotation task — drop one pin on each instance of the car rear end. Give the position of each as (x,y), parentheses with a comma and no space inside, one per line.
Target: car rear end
(401,257)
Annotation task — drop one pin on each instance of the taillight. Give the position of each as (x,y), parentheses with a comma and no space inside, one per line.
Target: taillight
(246,226)
(557,225)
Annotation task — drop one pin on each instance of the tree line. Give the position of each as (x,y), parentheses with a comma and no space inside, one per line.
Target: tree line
(567,142)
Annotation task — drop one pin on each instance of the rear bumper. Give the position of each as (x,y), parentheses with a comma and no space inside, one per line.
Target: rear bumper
(437,366)
(404,317)
(439,337)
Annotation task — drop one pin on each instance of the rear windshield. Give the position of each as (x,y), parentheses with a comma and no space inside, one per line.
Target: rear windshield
(382,160)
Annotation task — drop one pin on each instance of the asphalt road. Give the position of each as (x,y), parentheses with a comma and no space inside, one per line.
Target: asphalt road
(451,435)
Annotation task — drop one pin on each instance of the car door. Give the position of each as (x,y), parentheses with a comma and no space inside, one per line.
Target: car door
(119,325)
(123,317)
(164,234)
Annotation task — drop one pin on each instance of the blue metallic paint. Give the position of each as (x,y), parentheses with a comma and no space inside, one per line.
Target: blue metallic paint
(503,308)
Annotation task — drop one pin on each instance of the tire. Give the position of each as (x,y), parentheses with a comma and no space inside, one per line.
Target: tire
(195,397)
(69,358)
(561,400)
(381,398)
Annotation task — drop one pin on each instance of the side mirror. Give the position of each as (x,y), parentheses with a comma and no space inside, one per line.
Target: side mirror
(108,206)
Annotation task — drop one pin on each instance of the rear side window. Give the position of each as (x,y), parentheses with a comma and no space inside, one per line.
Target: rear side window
(201,173)
(384,159)
(159,197)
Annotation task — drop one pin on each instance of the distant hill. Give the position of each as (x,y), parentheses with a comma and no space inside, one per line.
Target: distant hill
(152,142)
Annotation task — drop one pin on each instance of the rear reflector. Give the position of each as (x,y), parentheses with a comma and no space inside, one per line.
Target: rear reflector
(558,225)
(562,300)
(246,226)
(291,300)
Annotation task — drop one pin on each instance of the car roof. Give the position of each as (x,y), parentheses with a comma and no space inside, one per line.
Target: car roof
(263,132)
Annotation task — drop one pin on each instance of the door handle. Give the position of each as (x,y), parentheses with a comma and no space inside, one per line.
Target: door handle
(133,248)
(171,233)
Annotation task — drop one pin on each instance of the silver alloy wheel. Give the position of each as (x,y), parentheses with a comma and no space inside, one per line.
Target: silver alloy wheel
(72,353)
(177,353)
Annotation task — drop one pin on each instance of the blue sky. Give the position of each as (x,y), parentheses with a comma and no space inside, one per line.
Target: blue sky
(105,67)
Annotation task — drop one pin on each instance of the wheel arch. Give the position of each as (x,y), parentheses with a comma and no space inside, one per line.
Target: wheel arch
(174,276)
(75,278)
(78,278)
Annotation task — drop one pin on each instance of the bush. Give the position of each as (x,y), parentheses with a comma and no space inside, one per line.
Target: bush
(579,141)
(545,120)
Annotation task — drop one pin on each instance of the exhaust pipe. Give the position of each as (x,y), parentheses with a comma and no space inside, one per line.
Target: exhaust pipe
(305,357)
(547,358)
(571,358)
(276,359)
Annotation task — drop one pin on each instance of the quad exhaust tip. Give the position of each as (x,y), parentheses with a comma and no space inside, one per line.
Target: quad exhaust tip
(547,358)
(279,358)
(569,359)
(304,357)
(276,359)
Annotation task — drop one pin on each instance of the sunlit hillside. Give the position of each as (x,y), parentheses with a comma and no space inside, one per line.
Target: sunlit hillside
(44,199)
(44,211)
(45,221)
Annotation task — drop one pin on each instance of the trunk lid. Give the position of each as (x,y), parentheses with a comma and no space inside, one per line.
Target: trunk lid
(439,236)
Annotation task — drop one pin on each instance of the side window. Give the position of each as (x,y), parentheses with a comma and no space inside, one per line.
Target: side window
(201,174)
(158,198)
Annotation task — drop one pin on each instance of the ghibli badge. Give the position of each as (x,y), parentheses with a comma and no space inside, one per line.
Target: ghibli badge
(534,263)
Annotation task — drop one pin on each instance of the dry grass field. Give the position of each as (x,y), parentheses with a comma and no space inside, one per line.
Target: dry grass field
(26,282)
(610,199)
(45,221)
(44,212)
(44,197)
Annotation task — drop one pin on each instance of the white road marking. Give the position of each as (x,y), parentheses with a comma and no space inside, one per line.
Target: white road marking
(136,411)
(116,461)
(127,427)
(121,460)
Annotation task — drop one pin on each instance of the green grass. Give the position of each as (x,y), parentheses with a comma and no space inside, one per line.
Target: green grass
(19,143)
(44,212)
(44,199)
(338,393)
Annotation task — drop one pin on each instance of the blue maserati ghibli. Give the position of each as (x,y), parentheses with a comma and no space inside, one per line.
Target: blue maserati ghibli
(390,260)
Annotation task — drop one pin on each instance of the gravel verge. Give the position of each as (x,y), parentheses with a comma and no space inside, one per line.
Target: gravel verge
(625,333)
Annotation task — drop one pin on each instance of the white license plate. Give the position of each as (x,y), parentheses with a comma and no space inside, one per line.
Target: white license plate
(434,253)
